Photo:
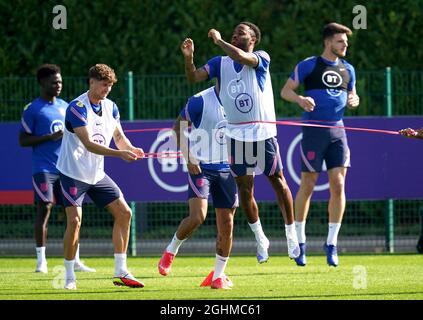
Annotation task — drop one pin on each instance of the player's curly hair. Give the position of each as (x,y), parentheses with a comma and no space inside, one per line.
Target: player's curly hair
(46,70)
(102,72)
(256,30)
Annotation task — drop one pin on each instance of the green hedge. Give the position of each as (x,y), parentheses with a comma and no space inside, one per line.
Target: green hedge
(144,36)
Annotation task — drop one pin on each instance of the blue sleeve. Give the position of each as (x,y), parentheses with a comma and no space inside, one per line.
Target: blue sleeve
(351,71)
(28,121)
(76,114)
(116,113)
(193,110)
(263,60)
(303,69)
(262,67)
(213,67)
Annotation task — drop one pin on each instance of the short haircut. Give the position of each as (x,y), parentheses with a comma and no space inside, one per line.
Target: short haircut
(102,72)
(333,28)
(256,30)
(46,70)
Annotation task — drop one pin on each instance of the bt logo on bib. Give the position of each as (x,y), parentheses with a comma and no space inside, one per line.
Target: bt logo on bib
(235,87)
(99,138)
(244,102)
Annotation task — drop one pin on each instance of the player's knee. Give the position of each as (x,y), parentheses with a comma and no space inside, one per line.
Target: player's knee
(126,215)
(197,220)
(246,192)
(308,183)
(279,183)
(45,207)
(48,206)
(74,223)
(337,187)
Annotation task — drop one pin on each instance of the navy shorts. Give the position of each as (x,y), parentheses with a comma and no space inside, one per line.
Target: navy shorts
(322,144)
(47,188)
(102,193)
(246,157)
(220,184)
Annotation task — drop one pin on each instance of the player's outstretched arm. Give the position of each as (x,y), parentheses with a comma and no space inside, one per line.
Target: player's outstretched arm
(83,135)
(123,143)
(192,73)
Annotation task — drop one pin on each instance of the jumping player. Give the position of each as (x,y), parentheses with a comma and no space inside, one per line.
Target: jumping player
(245,90)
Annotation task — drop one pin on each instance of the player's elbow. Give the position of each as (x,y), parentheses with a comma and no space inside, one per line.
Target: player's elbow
(284,93)
(196,77)
(90,146)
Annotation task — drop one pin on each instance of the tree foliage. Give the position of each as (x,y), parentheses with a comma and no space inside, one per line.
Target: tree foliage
(144,36)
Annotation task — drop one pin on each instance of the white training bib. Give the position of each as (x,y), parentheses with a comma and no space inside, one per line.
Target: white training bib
(75,161)
(207,141)
(244,101)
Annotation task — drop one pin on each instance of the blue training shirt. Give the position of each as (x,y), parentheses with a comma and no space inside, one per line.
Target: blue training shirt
(41,117)
(193,112)
(328,83)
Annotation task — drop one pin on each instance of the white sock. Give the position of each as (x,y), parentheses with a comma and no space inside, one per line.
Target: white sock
(41,254)
(258,230)
(174,245)
(77,261)
(300,227)
(290,231)
(120,264)
(69,265)
(219,267)
(333,233)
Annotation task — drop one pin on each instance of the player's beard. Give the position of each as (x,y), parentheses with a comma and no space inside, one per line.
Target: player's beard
(339,53)
(241,45)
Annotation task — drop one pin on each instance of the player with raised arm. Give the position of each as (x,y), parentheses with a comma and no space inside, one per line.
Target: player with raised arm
(245,90)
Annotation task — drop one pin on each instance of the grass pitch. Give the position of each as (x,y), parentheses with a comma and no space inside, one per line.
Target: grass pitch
(359,277)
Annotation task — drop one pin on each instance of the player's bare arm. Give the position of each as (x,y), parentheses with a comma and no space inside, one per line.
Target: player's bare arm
(29,140)
(192,73)
(236,54)
(123,143)
(83,135)
(288,93)
(179,127)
